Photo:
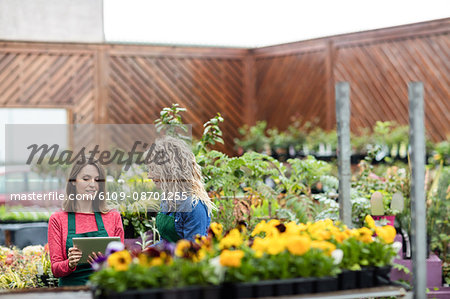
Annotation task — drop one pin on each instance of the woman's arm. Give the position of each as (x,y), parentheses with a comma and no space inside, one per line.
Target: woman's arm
(118,230)
(57,249)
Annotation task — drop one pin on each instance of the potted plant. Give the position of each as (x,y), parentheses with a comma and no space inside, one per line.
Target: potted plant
(254,138)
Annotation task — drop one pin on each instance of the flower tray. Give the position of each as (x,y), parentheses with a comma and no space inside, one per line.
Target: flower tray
(367,277)
(210,292)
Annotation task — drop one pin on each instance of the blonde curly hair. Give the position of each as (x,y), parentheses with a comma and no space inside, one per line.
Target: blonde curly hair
(178,172)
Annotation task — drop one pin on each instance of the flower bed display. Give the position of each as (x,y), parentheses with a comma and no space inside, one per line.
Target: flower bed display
(274,259)
(26,268)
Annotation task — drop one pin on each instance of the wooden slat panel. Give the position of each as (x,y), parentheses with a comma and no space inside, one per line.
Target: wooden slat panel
(140,86)
(131,84)
(378,64)
(290,87)
(379,74)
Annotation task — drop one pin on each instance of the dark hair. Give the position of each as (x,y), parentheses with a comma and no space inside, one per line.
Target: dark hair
(98,205)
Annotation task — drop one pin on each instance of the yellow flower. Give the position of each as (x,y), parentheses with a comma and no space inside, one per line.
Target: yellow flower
(303,227)
(292,229)
(217,229)
(370,222)
(274,222)
(154,261)
(231,258)
(386,233)
(259,228)
(326,246)
(298,245)
(275,245)
(365,235)
(143,259)
(189,250)
(232,239)
(182,247)
(199,255)
(260,245)
(341,236)
(120,260)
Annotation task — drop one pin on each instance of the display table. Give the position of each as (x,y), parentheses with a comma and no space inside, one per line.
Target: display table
(82,292)
(375,292)
(24,234)
(86,293)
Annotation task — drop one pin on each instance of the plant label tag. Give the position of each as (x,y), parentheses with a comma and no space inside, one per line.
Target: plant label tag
(376,204)
(397,202)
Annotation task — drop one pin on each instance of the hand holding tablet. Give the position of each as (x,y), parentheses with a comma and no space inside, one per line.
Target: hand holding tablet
(92,245)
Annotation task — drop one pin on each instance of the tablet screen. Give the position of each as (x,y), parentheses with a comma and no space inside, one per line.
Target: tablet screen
(88,245)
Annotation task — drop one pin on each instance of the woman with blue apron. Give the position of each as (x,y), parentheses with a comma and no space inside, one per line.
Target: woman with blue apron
(174,226)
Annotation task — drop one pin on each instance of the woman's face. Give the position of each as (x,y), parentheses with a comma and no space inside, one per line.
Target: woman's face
(87,181)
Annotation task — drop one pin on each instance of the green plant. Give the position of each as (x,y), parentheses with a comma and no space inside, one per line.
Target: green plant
(321,141)
(212,134)
(170,122)
(361,140)
(24,214)
(438,209)
(254,137)
(133,201)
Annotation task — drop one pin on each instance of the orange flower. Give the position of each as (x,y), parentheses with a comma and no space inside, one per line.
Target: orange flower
(231,258)
(326,246)
(370,222)
(365,235)
(386,233)
(298,245)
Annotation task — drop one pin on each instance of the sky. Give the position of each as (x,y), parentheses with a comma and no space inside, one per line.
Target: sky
(256,23)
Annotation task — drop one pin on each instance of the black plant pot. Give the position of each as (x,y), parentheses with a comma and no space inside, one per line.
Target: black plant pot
(326,284)
(365,278)
(265,288)
(134,294)
(190,292)
(303,285)
(170,294)
(129,231)
(347,280)
(382,276)
(284,287)
(355,159)
(211,292)
(242,290)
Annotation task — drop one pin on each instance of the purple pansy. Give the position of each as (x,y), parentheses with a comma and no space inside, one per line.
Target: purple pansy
(98,262)
(114,246)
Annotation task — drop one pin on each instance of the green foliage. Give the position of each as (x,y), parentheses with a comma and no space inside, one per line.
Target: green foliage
(402,268)
(390,133)
(438,209)
(319,137)
(304,173)
(23,214)
(254,137)
(278,139)
(373,254)
(284,265)
(212,134)
(170,122)
(180,273)
(132,188)
(302,207)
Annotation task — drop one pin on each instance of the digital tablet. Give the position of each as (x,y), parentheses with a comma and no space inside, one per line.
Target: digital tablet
(88,245)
